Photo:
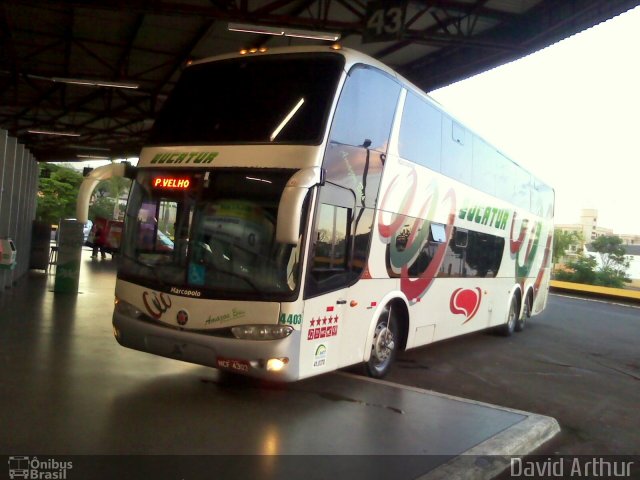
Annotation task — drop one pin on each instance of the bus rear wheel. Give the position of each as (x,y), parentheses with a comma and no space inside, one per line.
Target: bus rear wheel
(512,318)
(384,346)
(526,313)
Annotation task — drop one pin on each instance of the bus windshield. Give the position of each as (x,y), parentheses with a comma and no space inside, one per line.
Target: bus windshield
(280,99)
(211,232)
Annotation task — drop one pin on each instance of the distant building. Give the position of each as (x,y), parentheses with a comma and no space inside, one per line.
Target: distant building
(629,239)
(590,230)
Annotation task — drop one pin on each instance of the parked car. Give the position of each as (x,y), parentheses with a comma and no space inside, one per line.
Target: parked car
(86,230)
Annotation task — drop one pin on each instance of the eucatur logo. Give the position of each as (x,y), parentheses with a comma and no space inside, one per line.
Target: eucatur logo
(465,301)
(156,304)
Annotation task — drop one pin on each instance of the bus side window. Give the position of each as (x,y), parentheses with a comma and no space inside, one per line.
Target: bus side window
(461,238)
(421,133)
(437,233)
(456,151)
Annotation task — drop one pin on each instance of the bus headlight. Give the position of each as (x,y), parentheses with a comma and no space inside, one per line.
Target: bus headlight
(126,309)
(262,332)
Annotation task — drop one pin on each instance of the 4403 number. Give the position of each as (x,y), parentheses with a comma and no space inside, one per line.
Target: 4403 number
(290,319)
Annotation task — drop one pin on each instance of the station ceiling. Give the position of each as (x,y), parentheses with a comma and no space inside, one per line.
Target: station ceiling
(108,44)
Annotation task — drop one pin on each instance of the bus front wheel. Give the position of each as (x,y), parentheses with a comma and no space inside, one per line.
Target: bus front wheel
(384,346)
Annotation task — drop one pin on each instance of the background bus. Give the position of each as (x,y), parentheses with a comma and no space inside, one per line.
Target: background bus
(324,212)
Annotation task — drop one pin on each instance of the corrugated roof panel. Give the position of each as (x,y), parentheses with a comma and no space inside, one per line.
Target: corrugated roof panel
(512,6)
(407,54)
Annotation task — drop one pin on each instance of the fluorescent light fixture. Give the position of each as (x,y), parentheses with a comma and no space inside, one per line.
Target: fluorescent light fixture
(330,37)
(286,119)
(93,157)
(242,27)
(280,31)
(95,149)
(95,83)
(50,132)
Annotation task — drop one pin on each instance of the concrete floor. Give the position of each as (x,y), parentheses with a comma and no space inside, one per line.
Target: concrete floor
(578,362)
(67,388)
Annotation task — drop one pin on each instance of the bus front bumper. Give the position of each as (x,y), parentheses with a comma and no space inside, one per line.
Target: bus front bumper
(247,357)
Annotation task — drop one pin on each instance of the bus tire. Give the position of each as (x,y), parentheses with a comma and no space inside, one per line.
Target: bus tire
(384,346)
(507,329)
(526,313)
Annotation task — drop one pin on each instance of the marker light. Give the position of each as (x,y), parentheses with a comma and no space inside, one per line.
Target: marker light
(276,364)
(261,332)
(244,51)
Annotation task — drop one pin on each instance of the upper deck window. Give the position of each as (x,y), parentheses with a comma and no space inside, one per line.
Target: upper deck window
(283,99)
(365,111)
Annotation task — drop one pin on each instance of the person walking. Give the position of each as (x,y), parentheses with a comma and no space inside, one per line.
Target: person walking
(98,243)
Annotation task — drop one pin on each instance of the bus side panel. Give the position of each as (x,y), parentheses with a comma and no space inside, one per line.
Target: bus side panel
(413,197)
(367,300)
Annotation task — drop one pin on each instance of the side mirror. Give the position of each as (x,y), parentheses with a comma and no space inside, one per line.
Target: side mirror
(291,201)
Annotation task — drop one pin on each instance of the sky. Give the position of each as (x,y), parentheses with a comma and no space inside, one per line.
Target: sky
(570,114)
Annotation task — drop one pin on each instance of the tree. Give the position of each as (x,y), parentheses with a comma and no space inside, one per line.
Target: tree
(612,269)
(57,194)
(611,251)
(562,241)
(581,270)
(614,264)
(102,207)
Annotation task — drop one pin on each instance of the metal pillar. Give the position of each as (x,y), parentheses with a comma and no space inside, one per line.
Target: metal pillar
(7,202)
(3,163)
(15,226)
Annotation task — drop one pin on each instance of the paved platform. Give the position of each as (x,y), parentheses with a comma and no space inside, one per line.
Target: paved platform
(67,388)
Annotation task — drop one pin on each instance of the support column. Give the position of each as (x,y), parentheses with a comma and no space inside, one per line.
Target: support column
(3,165)
(16,223)
(7,200)
(24,221)
(30,201)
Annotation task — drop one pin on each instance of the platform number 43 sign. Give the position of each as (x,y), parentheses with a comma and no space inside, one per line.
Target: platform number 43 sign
(384,21)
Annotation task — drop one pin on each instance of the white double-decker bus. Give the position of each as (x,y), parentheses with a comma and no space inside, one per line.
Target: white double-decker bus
(300,210)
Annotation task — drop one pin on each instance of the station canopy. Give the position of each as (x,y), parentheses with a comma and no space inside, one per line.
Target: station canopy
(85,79)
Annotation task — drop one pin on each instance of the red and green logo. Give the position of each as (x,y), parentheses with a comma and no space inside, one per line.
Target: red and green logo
(465,301)
(414,233)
